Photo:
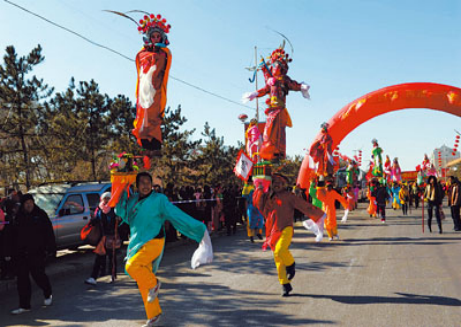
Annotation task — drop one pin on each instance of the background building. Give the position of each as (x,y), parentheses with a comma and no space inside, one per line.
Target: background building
(440,157)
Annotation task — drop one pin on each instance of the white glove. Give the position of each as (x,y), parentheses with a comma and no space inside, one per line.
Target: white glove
(249,96)
(305,91)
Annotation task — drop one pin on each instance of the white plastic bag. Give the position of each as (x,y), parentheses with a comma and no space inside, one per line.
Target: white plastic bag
(204,252)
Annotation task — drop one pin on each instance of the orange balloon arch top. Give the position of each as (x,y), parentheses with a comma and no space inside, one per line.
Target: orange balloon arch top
(434,96)
(392,98)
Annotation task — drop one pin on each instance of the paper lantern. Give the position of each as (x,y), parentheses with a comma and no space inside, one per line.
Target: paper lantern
(243,117)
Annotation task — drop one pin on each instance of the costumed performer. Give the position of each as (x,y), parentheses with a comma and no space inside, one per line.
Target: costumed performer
(146,213)
(352,172)
(255,219)
(425,165)
(322,153)
(278,206)
(313,194)
(395,196)
(388,169)
(404,197)
(278,84)
(371,195)
(328,196)
(253,139)
(396,172)
(378,159)
(153,65)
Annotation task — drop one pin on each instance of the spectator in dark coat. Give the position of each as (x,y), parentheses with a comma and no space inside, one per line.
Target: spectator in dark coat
(7,240)
(454,201)
(382,196)
(433,194)
(33,242)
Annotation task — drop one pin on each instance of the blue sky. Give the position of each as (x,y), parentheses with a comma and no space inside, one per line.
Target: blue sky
(343,49)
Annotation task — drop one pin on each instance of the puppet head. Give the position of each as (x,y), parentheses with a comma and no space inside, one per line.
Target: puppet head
(324,127)
(374,142)
(155,30)
(279,60)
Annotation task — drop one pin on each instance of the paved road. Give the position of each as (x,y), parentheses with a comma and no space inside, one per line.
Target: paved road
(378,275)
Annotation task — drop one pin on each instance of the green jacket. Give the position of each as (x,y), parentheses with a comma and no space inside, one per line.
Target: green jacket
(147,217)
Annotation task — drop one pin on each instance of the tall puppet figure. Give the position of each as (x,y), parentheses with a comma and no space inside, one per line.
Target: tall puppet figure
(278,84)
(153,65)
(378,159)
(253,139)
(396,172)
(321,151)
(388,170)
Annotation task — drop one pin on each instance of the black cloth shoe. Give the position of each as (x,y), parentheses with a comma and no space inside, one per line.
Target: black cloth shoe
(259,236)
(286,289)
(291,271)
(252,240)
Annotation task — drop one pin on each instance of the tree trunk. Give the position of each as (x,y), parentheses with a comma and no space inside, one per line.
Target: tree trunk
(24,148)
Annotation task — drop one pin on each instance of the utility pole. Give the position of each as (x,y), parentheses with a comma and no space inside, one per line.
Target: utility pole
(256,79)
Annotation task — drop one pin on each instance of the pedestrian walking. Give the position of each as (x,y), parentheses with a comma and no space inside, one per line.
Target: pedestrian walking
(105,218)
(455,203)
(34,241)
(433,195)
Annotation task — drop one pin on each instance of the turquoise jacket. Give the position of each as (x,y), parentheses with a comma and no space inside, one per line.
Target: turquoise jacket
(147,217)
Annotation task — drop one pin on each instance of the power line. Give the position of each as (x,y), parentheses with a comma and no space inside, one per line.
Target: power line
(121,54)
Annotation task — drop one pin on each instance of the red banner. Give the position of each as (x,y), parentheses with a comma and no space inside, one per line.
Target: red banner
(409,176)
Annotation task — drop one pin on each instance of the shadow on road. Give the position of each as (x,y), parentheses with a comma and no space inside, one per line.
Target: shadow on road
(402,298)
(217,305)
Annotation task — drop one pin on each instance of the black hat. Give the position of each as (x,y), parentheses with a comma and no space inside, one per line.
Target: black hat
(26,197)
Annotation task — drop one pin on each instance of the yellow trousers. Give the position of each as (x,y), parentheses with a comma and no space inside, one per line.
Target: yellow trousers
(282,255)
(332,232)
(139,267)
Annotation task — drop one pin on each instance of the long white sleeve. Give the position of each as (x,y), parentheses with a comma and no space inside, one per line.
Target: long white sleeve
(204,252)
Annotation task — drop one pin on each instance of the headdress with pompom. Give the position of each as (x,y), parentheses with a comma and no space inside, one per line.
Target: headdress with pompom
(149,24)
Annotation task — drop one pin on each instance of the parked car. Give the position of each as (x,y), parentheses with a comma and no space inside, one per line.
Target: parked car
(70,206)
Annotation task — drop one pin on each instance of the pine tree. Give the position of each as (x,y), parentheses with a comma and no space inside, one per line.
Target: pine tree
(21,109)
(93,110)
(178,150)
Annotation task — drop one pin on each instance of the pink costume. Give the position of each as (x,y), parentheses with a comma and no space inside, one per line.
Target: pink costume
(253,136)
(396,172)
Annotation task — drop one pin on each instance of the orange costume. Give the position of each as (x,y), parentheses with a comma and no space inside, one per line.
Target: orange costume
(328,197)
(153,68)
(372,208)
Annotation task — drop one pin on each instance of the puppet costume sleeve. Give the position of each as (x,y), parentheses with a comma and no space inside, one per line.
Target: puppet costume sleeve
(153,71)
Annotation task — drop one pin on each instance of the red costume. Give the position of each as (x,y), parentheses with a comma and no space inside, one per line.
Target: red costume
(322,153)
(278,84)
(278,210)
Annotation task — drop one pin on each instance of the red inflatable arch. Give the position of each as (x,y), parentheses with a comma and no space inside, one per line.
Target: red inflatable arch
(440,97)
